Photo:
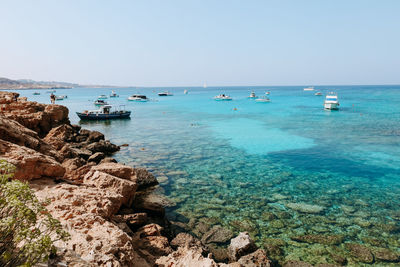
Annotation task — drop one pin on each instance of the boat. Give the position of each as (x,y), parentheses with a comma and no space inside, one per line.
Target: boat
(36,93)
(222,97)
(185,92)
(104,113)
(263,99)
(318,93)
(139,98)
(113,94)
(61,97)
(311,88)
(165,93)
(252,95)
(102,97)
(331,101)
(267,93)
(100,102)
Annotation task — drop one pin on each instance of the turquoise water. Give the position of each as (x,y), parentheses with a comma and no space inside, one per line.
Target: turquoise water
(243,164)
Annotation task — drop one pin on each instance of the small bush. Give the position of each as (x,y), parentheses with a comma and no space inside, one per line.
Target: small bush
(27,230)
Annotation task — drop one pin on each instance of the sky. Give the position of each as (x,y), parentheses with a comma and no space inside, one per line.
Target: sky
(192,42)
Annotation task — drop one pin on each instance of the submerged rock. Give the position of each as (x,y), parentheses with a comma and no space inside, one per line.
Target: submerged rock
(360,253)
(218,235)
(256,259)
(305,208)
(321,239)
(296,264)
(384,254)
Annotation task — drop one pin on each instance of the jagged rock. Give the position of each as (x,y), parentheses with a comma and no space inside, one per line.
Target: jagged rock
(63,133)
(108,182)
(384,254)
(133,220)
(72,164)
(184,256)
(217,234)
(102,146)
(96,157)
(82,153)
(305,208)
(108,160)
(29,163)
(241,245)
(94,136)
(78,174)
(256,259)
(84,132)
(296,264)
(360,253)
(186,240)
(152,203)
(321,239)
(116,169)
(144,178)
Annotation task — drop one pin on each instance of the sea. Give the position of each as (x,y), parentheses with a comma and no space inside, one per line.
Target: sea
(278,170)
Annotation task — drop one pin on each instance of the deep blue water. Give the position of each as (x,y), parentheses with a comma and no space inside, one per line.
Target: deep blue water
(220,162)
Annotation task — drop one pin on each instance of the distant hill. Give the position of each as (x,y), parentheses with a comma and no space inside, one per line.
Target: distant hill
(31,84)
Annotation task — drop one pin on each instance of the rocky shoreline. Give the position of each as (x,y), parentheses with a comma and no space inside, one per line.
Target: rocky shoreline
(109,209)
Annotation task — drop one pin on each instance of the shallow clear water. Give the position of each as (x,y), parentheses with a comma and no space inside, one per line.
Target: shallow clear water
(235,163)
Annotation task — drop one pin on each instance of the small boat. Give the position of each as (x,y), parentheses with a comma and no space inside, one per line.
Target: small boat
(100,102)
(113,94)
(36,93)
(311,88)
(185,92)
(139,98)
(165,93)
(252,95)
(61,97)
(267,93)
(102,97)
(222,97)
(318,93)
(104,113)
(331,101)
(263,99)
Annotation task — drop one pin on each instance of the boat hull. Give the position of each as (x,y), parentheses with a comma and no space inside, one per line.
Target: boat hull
(84,116)
(331,106)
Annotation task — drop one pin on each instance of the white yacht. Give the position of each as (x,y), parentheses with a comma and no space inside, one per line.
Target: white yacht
(61,97)
(331,101)
(100,102)
(185,92)
(102,97)
(311,88)
(318,93)
(263,99)
(252,95)
(139,98)
(165,93)
(114,94)
(267,93)
(222,97)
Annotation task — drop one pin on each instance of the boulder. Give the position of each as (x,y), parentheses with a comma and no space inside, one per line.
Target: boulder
(321,239)
(29,163)
(96,157)
(134,220)
(256,259)
(241,245)
(305,208)
(94,136)
(152,203)
(116,169)
(186,240)
(64,132)
(386,255)
(111,183)
(218,235)
(186,256)
(102,146)
(144,178)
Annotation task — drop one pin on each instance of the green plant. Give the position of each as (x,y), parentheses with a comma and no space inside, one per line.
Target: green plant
(27,230)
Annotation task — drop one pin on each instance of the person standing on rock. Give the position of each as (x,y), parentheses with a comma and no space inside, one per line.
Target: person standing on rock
(53,98)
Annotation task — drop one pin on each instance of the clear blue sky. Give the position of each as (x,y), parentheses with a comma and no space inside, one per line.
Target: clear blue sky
(221,42)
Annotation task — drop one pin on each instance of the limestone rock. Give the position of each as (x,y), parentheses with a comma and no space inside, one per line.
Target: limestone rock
(144,178)
(30,164)
(94,136)
(152,203)
(184,257)
(133,220)
(102,146)
(256,259)
(186,240)
(97,157)
(241,245)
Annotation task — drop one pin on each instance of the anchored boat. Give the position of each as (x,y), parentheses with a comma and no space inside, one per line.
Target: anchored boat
(114,94)
(331,101)
(263,99)
(222,97)
(139,98)
(100,102)
(311,88)
(252,95)
(104,113)
(165,93)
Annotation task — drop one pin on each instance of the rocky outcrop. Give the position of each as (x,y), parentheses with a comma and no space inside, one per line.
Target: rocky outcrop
(241,245)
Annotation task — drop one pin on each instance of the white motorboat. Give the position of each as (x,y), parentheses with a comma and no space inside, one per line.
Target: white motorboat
(311,88)
(252,95)
(100,102)
(61,97)
(165,93)
(138,98)
(318,93)
(222,97)
(185,92)
(331,101)
(114,94)
(104,113)
(263,99)
(102,97)
(267,93)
